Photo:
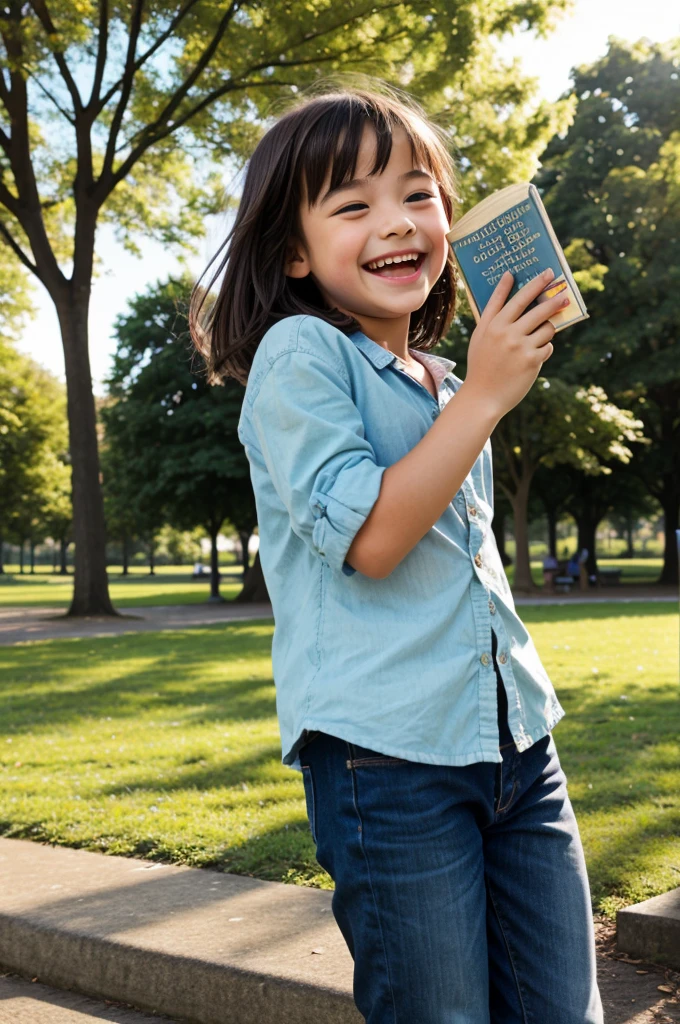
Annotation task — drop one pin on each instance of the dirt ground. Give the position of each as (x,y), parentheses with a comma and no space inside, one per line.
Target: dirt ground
(633,991)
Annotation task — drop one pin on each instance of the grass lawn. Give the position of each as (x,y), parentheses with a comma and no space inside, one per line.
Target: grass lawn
(173,584)
(167,746)
(170,585)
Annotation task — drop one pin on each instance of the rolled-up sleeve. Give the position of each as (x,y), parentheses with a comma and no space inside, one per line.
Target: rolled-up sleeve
(312,439)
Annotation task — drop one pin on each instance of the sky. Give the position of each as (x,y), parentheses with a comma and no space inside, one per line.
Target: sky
(580,38)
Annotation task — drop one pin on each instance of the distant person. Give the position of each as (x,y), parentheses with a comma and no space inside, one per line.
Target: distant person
(550,569)
(408,691)
(573,567)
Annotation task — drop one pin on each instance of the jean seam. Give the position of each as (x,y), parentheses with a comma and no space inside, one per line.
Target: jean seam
(525,1016)
(501,810)
(370,883)
(358,761)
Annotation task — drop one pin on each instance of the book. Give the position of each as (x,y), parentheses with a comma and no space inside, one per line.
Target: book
(511,230)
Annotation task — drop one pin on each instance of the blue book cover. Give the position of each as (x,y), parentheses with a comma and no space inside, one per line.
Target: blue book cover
(510,230)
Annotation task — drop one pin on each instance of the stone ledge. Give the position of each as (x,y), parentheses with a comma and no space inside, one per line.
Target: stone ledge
(191,943)
(651,929)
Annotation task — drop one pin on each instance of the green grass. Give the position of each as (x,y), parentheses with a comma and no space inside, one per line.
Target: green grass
(173,584)
(166,746)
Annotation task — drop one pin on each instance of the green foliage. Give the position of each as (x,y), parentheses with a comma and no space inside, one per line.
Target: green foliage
(172,453)
(35,475)
(199,82)
(610,185)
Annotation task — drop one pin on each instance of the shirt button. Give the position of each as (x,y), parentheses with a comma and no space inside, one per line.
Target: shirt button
(484,658)
(435,413)
(502,658)
(492,607)
(472,510)
(478,561)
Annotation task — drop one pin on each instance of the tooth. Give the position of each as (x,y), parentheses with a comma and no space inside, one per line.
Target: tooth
(398,259)
(388,261)
(381,263)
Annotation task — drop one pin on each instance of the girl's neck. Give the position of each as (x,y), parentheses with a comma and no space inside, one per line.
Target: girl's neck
(390,334)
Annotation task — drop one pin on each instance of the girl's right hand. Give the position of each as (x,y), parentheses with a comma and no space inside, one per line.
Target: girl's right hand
(507,349)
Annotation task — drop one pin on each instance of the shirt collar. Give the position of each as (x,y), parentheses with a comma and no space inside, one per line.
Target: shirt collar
(381,357)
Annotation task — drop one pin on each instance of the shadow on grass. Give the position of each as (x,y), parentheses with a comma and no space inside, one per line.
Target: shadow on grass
(153,673)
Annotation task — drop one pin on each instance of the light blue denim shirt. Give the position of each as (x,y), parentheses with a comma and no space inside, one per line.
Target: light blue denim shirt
(403,664)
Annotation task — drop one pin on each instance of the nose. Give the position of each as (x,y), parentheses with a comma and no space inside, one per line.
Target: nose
(399,226)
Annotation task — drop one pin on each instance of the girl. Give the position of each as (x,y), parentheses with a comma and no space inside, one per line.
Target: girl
(409,694)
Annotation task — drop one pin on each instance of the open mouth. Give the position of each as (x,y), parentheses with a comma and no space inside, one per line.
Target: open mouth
(405,266)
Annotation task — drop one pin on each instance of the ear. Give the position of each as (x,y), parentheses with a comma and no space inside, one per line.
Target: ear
(297,263)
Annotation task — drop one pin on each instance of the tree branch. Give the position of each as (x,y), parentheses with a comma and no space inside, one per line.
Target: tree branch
(18,251)
(49,95)
(102,47)
(198,70)
(47,23)
(141,61)
(128,76)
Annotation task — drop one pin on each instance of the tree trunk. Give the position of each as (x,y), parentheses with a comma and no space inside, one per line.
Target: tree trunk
(91,584)
(551,513)
(63,544)
(671,514)
(520,508)
(21,557)
(215,595)
(254,586)
(126,554)
(31,544)
(54,558)
(2,555)
(587,530)
(152,552)
(630,525)
(244,537)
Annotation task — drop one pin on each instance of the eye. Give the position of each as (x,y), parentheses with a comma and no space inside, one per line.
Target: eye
(418,196)
(351,208)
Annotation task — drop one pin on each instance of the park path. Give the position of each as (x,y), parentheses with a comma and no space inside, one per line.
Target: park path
(25,624)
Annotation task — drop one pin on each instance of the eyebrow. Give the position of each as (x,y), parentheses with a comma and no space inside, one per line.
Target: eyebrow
(356,182)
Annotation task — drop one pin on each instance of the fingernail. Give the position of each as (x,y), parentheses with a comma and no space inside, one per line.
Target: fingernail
(548,274)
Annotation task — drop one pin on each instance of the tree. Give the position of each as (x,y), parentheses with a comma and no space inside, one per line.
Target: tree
(610,184)
(556,423)
(33,444)
(172,436)
(113,114)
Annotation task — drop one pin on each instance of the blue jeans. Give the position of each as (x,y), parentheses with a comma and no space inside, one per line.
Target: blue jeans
(461,892)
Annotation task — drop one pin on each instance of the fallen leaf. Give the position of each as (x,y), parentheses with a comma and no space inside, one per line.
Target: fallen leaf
(666,988)
(642,972)
(321,949)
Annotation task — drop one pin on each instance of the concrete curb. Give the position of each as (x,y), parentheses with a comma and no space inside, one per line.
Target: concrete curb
(651,929)
(196,944)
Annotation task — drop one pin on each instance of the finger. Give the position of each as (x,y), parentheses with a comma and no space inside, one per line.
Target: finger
(542,335)
(527,293)
(498,297)
(533,318)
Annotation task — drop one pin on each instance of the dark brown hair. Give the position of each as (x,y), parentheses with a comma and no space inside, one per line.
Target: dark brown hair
(290,162)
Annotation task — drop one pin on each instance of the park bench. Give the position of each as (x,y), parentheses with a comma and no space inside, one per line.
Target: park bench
(563,584)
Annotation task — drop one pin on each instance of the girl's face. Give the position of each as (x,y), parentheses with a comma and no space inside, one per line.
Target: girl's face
(396,215)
